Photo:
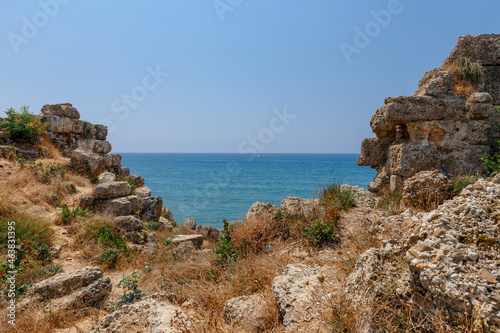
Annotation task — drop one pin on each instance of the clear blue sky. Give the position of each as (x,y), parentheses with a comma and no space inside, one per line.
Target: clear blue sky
(230,63)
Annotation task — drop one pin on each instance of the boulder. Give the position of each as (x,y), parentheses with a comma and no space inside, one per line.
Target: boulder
(128,223)
(135,237)
(190,224)
(62,125)
(74,289)
(361,196)
(197,240)
(143,192)
(260,211)
(114,161)
(87,159)
(86,200)
(61,110)
(295,206)
(101,132)
(102,147)
(147,315)
(184,249)
(364,281)
(111,190)
(120,206)
(122,172)
(167,213)
(248,312)
(426,187)
(137,180)
(210,233)
(106,177)
(151,209)
(436,83)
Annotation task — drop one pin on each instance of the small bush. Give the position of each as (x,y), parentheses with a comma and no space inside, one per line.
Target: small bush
(106,235)
(68,215)
(152,225)
(48,171)
(461,182)
(88,130)
(225,252)
(467,74)
(334,196)
(27,231)
(130,284)
(109,257)
(23,125)
(320,232)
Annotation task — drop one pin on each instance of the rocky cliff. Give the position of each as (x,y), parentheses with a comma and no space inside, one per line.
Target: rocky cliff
(437,128)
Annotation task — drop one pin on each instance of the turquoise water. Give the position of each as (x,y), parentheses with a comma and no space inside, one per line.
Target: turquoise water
(212,187)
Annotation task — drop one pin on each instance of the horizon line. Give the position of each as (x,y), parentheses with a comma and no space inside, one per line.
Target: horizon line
(142,152)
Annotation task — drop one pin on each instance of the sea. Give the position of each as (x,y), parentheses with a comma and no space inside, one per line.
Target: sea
(213,187)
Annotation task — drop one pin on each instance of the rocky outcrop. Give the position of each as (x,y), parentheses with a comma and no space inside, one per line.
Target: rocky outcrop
(146,316)
(197,240)
(151,209)
(455,261)
(434,129)
(259,210)
(190,224)
(426,188)
(111,190)
(295,206)
(79,288)
(361,196)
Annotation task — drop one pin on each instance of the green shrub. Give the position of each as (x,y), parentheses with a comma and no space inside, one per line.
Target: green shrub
(109,257)
(23,125)
(461,182)
(88,130)
(106,235)
(152,225)
(48,171)
(27,231)
(334,196)
(320,232)
(225,252)
(67,215)
(130,284)
(491,163)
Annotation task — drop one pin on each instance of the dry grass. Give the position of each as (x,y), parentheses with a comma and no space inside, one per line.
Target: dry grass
(466,75)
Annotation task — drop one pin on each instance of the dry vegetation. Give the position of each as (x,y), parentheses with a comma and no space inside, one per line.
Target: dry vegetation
(466,75)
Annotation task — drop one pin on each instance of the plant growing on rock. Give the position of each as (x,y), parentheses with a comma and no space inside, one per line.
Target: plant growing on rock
(466,75)
(320,232)
(130,284)
(460,182)
(225,252)
(492,162)
(336,197)
(23,125)
(88,130)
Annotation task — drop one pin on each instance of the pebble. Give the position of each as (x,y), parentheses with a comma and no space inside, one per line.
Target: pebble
(473,256)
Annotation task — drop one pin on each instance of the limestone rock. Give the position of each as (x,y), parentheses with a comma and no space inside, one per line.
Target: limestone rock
(484,49)
(167,213)
(361,196)
(135,237)
(184,249)
(210,233)
(106,177)
(61,110)
(260,211)
(190,224)
(479,97)
(146,316)
(102,147)
(111,190)
(120,206)
(86,200)
(426,187)
(436,83)
(128,223)
(363,282)
(248,312)
(151,209)
(63,125)
(101,132)
(295,206)
(143,192)
(87,158)
(197,240)
(293,293)
(83,287)
(137,180)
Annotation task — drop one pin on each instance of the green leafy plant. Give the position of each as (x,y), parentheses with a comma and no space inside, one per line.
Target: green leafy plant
(461,182)
(336,197)
(278,215)
(88,130)
(322,232)
(109,257)
(23,125)
(131,291)
(67,215)
(225,252)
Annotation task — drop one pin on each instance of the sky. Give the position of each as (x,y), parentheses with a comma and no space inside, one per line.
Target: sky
(228,76)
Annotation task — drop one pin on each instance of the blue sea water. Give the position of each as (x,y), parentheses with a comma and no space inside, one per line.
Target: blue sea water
(213,187)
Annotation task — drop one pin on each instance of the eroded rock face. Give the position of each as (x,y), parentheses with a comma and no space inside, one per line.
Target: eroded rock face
(361,196)
(364,282)
(111,190)
(434,129)
(197,240)
(61,110)
(151,209)
(295,206)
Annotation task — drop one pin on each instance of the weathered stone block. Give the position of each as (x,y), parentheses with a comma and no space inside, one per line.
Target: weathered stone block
(61,110)
(112,190)
(151,209)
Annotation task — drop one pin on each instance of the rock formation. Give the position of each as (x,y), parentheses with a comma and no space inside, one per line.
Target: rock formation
(435,129)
